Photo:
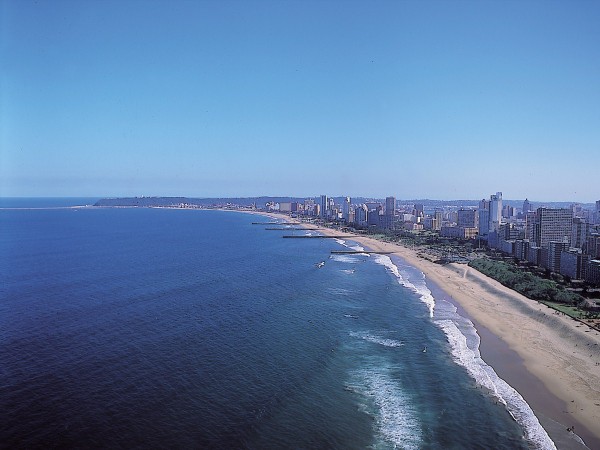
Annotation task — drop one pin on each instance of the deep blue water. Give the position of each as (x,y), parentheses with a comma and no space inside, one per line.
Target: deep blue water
(130,328)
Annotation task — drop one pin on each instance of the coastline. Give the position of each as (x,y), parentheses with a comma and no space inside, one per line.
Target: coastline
(549,358)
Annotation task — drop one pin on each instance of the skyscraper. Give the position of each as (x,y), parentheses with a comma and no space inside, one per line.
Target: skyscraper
(419,210)
(324,206)
(526,207)
(438,219)
(553,225)
(361,215)
(467,218)
(530,221)
(495,211)
(346,209)
(484,217)
(390,206)
(579,232)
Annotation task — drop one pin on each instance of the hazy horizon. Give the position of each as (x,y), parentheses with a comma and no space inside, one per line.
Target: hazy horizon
(441,100)
(534,202)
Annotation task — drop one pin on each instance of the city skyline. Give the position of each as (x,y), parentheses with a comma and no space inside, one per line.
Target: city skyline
(439,100)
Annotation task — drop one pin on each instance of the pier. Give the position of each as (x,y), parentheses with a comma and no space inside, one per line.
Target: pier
(317,237)
(276,223)
(289,229)
(357,252)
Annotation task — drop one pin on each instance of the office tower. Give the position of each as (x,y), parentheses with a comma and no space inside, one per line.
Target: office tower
(419,210)
(555,250)
(361,215)
(309,206)
(346,209)
(467,218)
(390,206)
(495,211)
(438,219)
(530,220)
(508,211)
(553,225)
(579,232)
(526,207)
(484,217)
(593,245)
(324,206)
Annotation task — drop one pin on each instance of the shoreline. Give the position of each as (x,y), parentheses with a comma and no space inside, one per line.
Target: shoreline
(548,358)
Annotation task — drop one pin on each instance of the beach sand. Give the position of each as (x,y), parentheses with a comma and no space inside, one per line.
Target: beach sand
(549,358)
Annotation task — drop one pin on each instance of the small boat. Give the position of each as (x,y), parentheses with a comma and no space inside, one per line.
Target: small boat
(425,349)
(320,264)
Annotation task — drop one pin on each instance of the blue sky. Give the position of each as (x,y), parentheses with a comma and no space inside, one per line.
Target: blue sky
(417,99)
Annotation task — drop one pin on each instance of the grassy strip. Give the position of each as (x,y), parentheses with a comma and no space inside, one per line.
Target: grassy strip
(528,284)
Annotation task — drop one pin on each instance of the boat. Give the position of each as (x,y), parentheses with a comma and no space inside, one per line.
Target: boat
(320,264)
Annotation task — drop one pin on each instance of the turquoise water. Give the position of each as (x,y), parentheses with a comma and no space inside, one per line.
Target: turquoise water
(197,329)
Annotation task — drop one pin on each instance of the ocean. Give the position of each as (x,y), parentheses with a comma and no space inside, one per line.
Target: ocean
(130,328)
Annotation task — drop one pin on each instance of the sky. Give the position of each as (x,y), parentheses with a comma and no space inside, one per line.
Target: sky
(416,99)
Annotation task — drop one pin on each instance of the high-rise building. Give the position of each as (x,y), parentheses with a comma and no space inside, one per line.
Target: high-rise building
(324,204)
(361,215)
(467,218)
(419,210)
(555,250)
(495,211)
(346,209)
(437,221)
(484,217)
(527,206)
(390,206)
(579,232)
(593,245)
(530,221)
(508,211)
(553,225)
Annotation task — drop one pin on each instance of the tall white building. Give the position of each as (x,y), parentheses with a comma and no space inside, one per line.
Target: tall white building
(495,211)
(346,209)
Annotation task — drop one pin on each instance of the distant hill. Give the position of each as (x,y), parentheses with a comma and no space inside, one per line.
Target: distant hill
(260,202)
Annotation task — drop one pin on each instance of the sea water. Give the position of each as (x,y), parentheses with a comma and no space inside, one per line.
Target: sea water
(196,329)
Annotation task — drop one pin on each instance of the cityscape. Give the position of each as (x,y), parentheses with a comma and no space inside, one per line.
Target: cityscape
(300,224)
(562,240)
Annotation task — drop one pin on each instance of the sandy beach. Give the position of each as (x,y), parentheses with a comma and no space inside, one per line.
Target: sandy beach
(551,359)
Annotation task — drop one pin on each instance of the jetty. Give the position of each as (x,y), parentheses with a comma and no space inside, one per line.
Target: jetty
(289,229)
(358,252)
(276,223)
(303,236)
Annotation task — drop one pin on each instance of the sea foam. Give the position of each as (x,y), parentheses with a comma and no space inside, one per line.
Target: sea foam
(396,420)
(485,376)
(420,288)
(377,339)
